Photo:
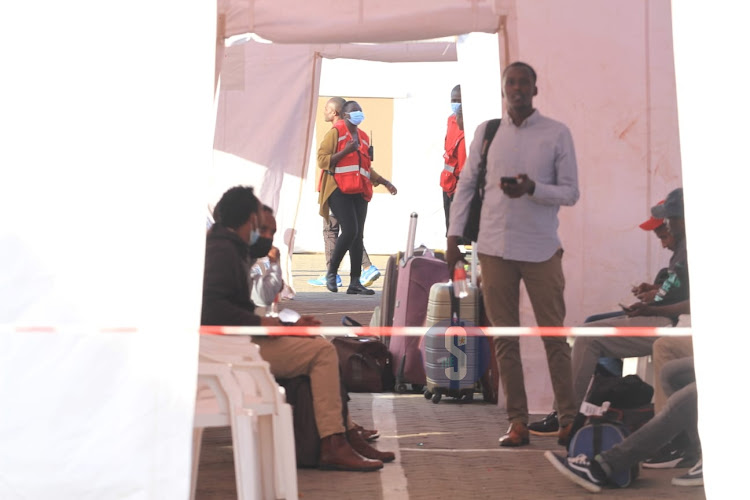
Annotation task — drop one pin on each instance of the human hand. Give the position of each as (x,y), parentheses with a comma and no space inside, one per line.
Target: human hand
(391,188)
(452,253)
(308,321)
(643,287)
(269,321)
(639,309)
(647,296)
(522,187)
(273,254)
(351,147)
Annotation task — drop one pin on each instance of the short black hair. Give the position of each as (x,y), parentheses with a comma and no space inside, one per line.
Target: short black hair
(235,207)
(349,104)
(268,209)
(457,87)
(521,64)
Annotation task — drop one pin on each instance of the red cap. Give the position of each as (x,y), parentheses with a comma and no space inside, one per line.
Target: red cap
(653,222)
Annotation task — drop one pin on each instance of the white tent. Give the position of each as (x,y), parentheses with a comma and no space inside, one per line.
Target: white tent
(108,125)
(617,97)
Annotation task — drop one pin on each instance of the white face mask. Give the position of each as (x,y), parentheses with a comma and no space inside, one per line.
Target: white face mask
(455,106)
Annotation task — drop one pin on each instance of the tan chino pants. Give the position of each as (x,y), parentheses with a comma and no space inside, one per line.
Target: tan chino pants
(545,284)
(315,357)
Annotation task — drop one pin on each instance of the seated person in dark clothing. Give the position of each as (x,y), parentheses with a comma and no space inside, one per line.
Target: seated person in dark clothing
(613,466)
(226,302)
(650,311)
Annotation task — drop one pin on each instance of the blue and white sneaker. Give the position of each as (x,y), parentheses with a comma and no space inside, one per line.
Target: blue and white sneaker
(322,281)
(369,276)
(579,470)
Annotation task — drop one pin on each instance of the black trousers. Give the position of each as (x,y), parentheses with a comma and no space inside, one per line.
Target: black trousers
(331,230)
(351,212)
(447,200)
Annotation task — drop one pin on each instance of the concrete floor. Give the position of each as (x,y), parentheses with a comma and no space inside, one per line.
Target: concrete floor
(446,450)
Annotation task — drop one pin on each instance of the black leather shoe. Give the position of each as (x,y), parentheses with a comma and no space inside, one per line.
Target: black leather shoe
(356,288)
(331,282)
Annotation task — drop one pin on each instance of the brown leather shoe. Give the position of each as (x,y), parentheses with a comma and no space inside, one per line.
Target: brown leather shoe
(369,435)
(363,448)
(563,435)
(517,435)
(337,454)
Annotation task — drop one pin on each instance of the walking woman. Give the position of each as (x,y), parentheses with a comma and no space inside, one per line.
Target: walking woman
(346,187)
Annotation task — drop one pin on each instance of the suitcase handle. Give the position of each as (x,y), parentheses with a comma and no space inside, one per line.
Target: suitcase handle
(411,236)
(455,307)
(349,321)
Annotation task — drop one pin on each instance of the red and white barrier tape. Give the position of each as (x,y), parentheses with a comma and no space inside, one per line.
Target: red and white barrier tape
(368,331)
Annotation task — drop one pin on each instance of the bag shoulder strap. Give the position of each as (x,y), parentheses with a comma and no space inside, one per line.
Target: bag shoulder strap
(489,134)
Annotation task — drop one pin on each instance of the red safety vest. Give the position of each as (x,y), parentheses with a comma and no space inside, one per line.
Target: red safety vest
(352,172)
(454,156)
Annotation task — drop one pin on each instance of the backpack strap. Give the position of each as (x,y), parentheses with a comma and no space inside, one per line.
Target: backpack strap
(597,438)
(489,134)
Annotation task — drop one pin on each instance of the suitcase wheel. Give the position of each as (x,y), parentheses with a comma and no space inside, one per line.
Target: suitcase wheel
(427,394)
(401,388)
(437,397)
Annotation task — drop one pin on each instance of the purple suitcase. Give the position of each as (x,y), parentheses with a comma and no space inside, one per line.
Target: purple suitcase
(416,275)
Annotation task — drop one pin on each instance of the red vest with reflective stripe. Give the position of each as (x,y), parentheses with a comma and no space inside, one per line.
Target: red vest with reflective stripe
(453,157)
(352,172)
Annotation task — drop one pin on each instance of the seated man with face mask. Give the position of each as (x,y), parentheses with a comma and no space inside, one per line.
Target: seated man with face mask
(265,271)
(226,302)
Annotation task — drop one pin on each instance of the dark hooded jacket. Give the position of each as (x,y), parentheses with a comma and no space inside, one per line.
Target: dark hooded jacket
(226,292)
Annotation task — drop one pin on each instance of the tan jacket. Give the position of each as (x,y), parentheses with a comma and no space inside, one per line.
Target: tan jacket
(328,183)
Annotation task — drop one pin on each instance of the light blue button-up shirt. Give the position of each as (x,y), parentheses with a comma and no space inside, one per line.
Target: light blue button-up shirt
(523,228)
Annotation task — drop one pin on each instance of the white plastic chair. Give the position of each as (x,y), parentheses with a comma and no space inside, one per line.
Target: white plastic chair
(236,388)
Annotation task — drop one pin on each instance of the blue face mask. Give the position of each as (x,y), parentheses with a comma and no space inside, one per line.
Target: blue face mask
(254,235)
(455,106)
(356,117)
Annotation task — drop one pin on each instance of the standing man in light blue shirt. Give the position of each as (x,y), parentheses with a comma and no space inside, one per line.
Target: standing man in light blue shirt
(531,172)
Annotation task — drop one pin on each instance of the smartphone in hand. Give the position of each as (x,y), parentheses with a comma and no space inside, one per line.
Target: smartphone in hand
(508,180)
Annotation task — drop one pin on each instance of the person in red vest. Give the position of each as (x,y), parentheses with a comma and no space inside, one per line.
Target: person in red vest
(346,189)
(455,153)
(370,273)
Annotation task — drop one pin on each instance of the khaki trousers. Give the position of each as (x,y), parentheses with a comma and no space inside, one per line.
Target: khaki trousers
(315,357)
(667,349)
(545,284)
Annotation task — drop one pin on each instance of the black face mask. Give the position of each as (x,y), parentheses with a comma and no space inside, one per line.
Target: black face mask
(260,248)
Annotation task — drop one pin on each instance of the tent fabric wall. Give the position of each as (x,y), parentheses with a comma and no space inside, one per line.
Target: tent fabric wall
(263,130)
(107,134)
(375,21)
(617,95)
(618,101)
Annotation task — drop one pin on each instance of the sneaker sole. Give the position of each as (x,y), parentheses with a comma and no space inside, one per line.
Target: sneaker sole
(677,463)
(679,481)
(371,280)
(552,458)
(315,283)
